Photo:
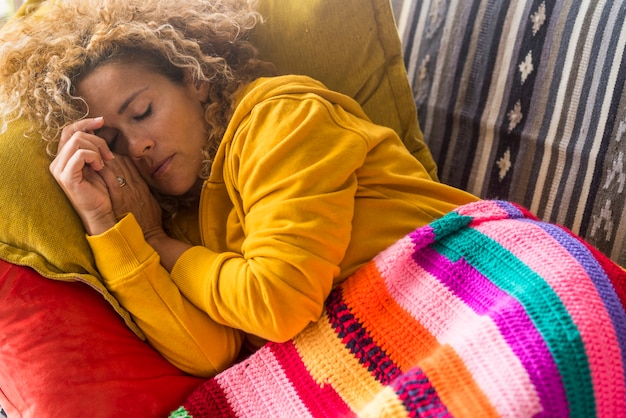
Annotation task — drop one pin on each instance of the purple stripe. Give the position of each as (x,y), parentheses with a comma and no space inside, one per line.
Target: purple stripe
(423,237)
(413,388)
(588,262)
(512,210)
(517,329)
(418,395)
(356,339)
(598,276)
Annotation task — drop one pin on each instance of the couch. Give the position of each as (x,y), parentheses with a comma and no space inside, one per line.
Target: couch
(526,101)
(519,102)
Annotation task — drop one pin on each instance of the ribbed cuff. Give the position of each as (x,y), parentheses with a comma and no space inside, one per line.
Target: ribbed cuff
(121,250)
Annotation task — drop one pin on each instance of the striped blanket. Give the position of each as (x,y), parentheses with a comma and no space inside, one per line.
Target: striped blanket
(485,312)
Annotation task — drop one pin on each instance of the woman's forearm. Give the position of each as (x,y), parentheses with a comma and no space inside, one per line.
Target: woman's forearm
(169,249)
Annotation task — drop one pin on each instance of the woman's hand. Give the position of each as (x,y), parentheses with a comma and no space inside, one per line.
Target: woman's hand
(81,155)
(100,185)
(130,193)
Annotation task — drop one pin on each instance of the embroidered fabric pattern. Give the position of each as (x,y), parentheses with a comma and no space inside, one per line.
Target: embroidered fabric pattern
(526,101)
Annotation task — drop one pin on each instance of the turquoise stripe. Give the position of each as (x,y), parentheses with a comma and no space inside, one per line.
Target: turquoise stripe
(542,304)
(451,223)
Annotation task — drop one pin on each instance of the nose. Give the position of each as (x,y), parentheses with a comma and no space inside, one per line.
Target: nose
(139,145)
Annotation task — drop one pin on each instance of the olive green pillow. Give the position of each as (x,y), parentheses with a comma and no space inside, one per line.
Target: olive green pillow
(38,226)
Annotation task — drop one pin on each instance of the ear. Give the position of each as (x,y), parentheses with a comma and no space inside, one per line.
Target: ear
(200,90)
(196,88)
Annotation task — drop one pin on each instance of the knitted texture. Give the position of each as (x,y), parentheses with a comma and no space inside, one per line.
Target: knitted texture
(485,312)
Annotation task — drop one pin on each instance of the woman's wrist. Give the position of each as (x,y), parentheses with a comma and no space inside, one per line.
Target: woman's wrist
(168,248)
(99,225)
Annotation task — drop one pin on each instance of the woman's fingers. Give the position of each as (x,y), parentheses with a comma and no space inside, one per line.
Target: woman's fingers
(85,188)
(123,181)
(72,169)
(89,125)
(81,140)
(80,159)
(130,193)
(86,129)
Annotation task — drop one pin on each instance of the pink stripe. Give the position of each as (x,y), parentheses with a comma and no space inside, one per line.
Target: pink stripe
(512,320)
(483,210)
(475,338)
(561,270)
(321,401)
(258,385)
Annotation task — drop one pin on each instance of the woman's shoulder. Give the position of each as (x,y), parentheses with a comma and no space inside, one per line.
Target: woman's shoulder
(268,89)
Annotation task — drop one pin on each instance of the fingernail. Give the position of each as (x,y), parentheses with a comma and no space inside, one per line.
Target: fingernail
(98,119)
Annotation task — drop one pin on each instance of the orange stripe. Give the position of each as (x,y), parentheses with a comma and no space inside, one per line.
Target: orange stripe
(455,386)
(410,345)
(393,329)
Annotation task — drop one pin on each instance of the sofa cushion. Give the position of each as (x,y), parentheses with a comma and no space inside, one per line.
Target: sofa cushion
(65,353)
(526,101)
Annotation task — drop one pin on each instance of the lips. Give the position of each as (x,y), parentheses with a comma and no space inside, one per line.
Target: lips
(159,169)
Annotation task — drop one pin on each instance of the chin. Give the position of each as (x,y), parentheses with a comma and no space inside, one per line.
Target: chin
(172,193)
(180,191)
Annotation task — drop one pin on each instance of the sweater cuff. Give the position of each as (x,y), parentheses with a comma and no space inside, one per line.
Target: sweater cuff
(193,271)
(121,250)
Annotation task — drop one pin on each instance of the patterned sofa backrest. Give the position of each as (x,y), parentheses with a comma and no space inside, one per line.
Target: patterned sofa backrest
(526,101)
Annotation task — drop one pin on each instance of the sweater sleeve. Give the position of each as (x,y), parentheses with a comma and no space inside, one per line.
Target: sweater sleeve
(292,171)
(181,332)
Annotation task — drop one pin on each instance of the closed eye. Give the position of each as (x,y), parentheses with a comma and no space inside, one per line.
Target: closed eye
(145,114)
(113,141)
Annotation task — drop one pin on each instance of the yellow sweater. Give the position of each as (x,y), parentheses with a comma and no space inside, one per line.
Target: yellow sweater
(303,191)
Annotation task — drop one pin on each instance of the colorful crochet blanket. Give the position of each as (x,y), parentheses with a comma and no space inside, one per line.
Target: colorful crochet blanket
(485,312)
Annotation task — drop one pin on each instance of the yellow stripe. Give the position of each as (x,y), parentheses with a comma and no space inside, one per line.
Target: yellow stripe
(329,362)
(386,404)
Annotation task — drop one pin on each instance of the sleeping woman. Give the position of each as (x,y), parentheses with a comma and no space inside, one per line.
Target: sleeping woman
(222,202)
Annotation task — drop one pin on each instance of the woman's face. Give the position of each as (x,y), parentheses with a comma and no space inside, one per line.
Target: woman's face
(158,123)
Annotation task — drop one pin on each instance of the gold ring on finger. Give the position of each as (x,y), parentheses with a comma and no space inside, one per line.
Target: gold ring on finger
(121,181)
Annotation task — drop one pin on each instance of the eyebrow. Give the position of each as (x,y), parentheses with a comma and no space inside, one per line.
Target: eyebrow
(128,101)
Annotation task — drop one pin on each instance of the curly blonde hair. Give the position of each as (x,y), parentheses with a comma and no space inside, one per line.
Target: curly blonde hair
(47,51)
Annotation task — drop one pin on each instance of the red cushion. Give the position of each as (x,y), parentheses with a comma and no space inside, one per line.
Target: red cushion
(65,352)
